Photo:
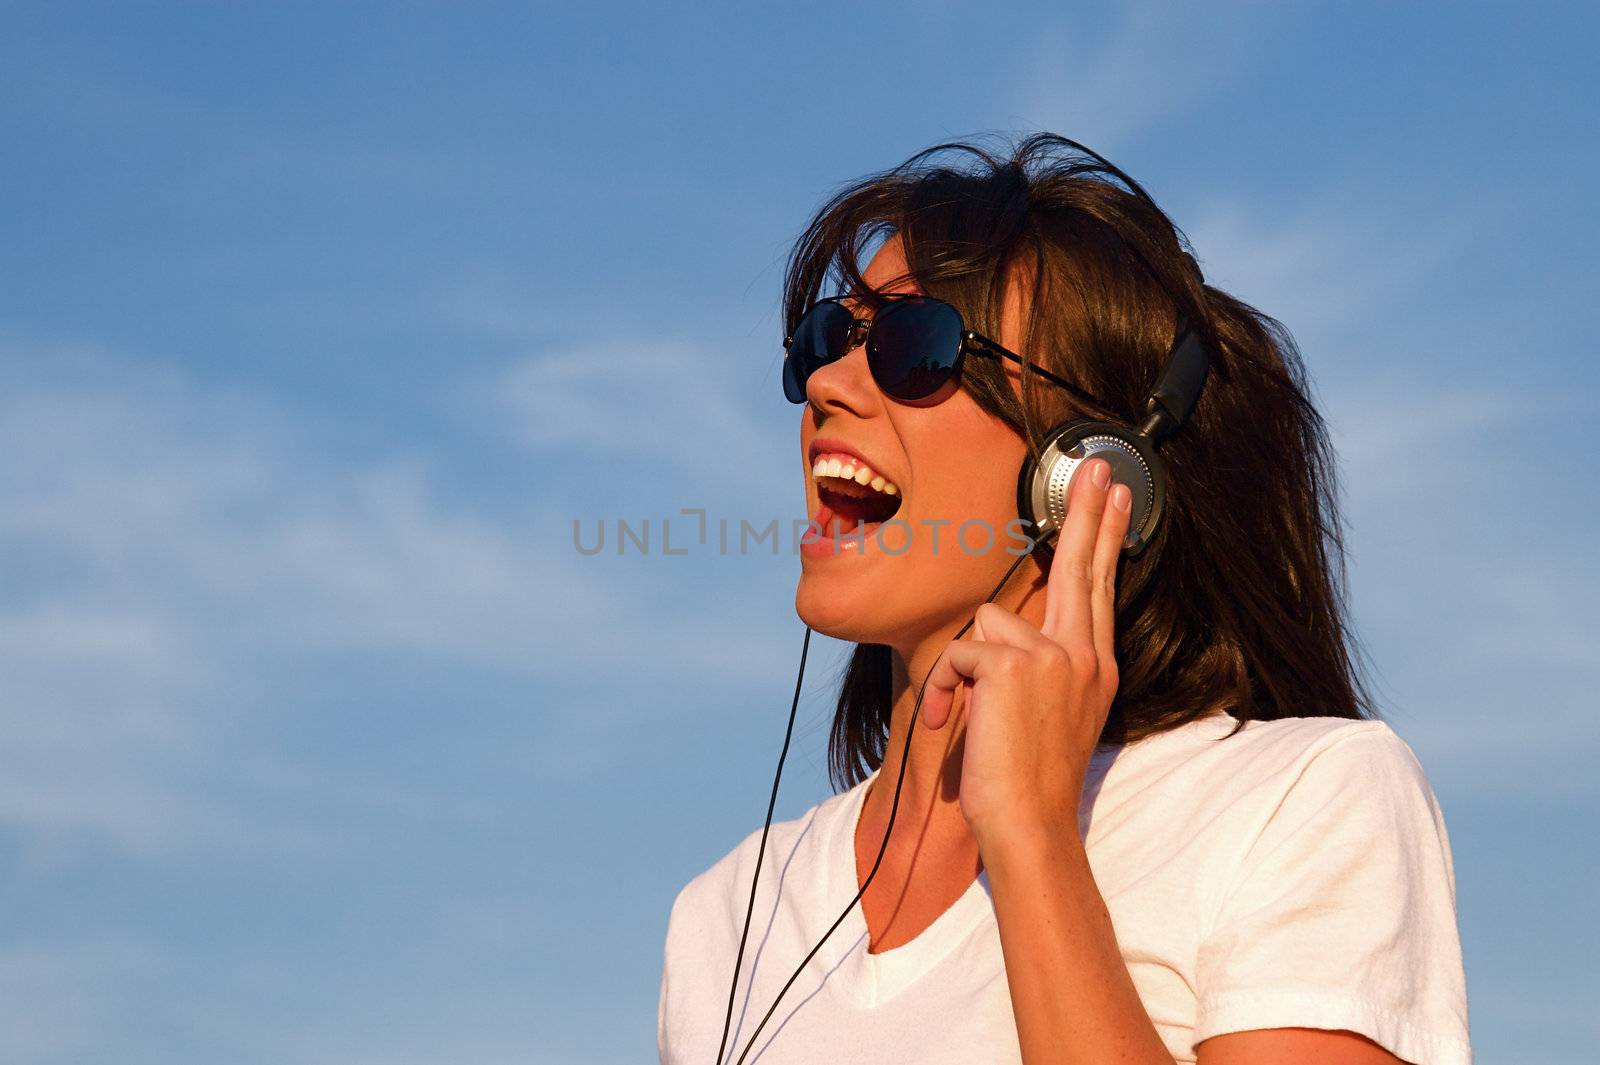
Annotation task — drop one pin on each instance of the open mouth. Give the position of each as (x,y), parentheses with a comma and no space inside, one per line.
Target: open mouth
(852,494)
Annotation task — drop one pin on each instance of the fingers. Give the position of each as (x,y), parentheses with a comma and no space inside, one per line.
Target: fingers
(1000,639)
(1081,594)
(995,624)
(959,661)
(1068,614)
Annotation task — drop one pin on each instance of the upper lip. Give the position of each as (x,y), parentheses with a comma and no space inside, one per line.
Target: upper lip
(824,445)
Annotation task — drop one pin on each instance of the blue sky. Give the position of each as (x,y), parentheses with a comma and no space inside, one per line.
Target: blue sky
(320,325)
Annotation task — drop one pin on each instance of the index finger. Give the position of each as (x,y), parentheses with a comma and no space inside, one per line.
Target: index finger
(1068,613)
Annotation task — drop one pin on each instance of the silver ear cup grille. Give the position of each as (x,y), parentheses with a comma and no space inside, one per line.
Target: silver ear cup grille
(1057,466)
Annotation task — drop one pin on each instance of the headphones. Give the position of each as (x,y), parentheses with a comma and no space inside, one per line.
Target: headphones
(1045,481)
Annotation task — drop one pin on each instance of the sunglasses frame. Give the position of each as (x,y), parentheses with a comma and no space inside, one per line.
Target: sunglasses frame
(971,342)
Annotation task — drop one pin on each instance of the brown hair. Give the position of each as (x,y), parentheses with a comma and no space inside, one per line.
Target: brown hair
(1238,604)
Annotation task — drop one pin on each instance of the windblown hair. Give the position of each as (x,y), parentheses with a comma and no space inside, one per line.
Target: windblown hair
(1239,603)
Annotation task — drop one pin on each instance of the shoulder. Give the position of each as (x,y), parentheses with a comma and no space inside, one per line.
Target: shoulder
(1332,798)
(1300,753)
(1336,756)
(1291,738)
(1278,790)
(713,903)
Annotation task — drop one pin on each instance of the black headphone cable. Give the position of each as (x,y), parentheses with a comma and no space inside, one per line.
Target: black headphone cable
(788,732)
(894,807)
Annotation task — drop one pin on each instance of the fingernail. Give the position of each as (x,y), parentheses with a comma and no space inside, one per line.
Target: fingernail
(1121,496)
(1101,472)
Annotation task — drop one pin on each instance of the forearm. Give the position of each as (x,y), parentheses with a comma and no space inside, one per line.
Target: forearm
(1071,993)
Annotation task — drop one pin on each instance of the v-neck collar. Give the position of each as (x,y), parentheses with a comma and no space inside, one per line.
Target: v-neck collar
(872,979)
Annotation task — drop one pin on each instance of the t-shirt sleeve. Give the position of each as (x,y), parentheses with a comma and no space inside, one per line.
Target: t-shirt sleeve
(664,1001)
(1342,912)
(661,1016)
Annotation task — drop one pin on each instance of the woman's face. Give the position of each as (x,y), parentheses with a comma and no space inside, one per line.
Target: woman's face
(949,472)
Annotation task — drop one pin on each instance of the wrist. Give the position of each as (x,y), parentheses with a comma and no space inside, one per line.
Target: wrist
(1026,843)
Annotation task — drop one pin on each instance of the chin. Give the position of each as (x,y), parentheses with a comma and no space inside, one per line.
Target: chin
(842,602)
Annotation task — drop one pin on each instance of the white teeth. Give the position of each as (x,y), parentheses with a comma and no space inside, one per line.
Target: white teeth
(847,469)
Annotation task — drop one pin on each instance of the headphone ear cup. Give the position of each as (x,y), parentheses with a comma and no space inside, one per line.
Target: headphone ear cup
(1044,485)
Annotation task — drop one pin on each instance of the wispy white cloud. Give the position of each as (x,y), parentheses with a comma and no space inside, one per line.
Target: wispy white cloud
(1106,80)
(656,406)
(1337,261)
(169,546)
(181,501)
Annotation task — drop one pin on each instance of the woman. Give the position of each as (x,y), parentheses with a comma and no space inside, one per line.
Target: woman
(1144,811)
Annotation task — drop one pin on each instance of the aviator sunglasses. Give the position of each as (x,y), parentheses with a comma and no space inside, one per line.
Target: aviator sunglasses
(915,346)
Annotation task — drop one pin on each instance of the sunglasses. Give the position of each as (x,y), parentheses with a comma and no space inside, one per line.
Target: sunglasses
(915,346)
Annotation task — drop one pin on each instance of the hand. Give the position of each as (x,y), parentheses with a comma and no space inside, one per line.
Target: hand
(1037,699)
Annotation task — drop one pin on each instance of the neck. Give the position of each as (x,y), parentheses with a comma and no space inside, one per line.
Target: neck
(930,796)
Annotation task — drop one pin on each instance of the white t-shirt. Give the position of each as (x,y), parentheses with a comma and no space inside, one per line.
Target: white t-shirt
(1297,874)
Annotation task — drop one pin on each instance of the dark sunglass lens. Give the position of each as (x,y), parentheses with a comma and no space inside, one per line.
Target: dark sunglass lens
(819,338)
(794,389)
(914,347)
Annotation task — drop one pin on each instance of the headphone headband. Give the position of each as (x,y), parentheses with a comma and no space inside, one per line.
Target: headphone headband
(1178,388)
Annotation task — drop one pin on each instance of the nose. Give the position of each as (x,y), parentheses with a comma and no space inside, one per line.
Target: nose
(845,383)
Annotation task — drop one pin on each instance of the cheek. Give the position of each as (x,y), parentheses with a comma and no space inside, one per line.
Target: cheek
(968,470)
(976,502)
